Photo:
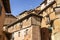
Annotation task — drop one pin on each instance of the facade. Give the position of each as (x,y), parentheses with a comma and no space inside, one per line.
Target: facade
(50,19)
(48,13)
(41,23)
(4,8)
(28,26)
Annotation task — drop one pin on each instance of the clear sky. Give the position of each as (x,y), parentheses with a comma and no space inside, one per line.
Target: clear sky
(18,6)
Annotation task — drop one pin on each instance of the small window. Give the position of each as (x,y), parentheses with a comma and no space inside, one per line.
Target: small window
(18,34)
(20,25)
(12,36)
(26,32)
(48,20)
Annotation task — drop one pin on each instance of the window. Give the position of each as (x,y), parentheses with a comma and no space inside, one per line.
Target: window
(48,20)
(0,8)
(26,32)
(18,34)
(20,25)
(12,36)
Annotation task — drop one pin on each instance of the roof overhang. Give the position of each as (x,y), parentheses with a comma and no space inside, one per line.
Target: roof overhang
(6,4)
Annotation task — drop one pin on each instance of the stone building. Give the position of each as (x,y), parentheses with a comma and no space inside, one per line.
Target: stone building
(27,26)
(41,23)
(50,12)
(4,8)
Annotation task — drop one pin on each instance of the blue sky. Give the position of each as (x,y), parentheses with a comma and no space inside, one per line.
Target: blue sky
(18,6)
